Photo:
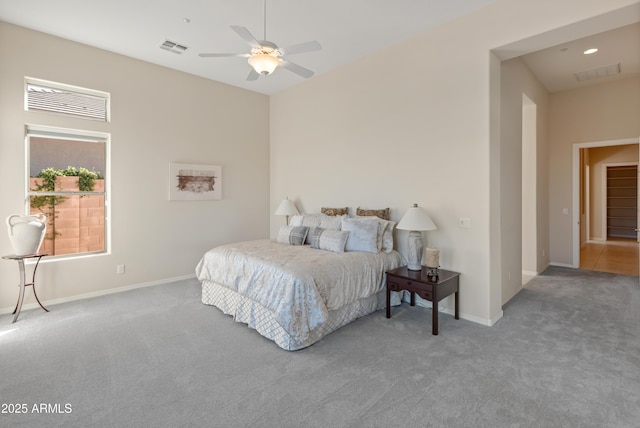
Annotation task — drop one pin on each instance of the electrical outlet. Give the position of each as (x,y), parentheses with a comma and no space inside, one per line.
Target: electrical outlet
(464,222)
(120,269)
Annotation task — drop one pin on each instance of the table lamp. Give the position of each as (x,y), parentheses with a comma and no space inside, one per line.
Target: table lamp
(415,220)
(286,208)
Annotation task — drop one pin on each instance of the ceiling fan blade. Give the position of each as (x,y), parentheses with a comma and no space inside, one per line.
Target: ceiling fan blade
(223,55)
(246,36)
(297,69)
(311,46)
(253,75)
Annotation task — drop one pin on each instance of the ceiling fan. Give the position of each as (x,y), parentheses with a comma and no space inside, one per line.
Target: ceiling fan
(266,56)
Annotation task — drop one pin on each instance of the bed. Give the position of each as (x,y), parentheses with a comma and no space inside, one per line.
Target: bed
(300,287)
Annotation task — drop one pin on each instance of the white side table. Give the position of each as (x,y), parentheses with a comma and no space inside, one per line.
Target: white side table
(23,279)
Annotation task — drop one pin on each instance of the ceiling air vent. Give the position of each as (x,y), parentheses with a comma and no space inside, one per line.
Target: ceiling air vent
(174,47)
(597,73)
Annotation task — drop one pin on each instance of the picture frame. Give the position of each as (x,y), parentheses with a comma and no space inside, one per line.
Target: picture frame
(195,182)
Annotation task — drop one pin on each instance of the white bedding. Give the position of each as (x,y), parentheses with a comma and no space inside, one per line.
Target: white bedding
(299,285)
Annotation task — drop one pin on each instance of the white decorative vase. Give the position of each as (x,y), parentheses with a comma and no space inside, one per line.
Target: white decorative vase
(26,233)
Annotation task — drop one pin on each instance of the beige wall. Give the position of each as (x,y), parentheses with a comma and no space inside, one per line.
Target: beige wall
(602,112)
(158,116)
(598,157)
(419,122)
(517,80)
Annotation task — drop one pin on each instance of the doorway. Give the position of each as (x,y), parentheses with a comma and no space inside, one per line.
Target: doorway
(604,237)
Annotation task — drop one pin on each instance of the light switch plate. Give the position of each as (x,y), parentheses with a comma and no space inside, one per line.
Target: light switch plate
(464,222)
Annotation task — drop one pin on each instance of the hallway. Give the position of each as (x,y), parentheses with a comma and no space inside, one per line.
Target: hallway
(615,256)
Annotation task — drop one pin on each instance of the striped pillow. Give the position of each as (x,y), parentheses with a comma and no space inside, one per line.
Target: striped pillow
(292,235)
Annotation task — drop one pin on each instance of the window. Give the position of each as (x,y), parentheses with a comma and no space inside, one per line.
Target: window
(67,168)
(66,182)
(51,97)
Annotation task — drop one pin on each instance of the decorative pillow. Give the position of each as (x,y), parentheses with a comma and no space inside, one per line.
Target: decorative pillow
(385,233)
(335,211)
(387,237)
(327,239)
(363,234)
(292,235)
(383,213)
(307,220)
(313,237)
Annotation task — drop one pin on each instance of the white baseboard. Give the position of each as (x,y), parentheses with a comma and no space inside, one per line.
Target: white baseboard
(450,311)
(512,294)
(530,273)
(99,293)
(482,321)
(561,265)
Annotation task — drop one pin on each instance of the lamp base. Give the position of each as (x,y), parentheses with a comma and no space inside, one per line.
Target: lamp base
(415,250)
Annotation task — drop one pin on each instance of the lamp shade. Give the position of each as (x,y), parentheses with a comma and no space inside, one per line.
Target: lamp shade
(263,63)
(416,219)
(286,207)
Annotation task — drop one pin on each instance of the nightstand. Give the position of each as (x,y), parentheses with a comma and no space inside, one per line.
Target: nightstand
(429,288)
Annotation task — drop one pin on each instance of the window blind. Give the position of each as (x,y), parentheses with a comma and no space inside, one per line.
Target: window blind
(56,100)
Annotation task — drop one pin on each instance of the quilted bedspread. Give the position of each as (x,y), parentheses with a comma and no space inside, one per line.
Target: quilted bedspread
(299,283)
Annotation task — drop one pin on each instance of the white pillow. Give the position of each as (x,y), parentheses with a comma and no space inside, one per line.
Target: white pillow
(317,220)
(311,220)
(296,220)
(327,239)
(331,222)
(385,232)
(363,234)
(292,235)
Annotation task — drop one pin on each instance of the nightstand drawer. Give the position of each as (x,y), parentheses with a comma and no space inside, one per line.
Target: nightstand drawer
(425,294)
(396,284)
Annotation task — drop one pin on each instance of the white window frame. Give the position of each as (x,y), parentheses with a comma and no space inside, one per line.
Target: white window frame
(33,130)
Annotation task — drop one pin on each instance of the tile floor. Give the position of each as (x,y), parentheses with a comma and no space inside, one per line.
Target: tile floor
(615,256)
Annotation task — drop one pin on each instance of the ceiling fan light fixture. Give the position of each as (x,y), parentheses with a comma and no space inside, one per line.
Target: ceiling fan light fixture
(263,63)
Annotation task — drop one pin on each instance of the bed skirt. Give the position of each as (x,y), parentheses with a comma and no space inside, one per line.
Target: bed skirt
(264,321)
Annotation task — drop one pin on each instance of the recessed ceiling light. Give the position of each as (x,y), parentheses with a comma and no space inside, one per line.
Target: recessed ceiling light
(590,51)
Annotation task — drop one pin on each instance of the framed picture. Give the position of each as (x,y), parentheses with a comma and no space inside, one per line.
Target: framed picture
(195,182)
